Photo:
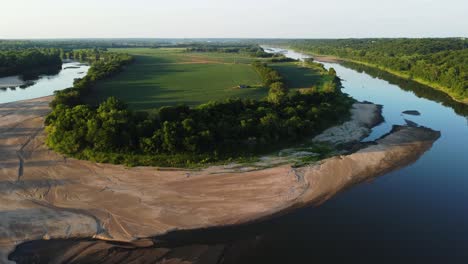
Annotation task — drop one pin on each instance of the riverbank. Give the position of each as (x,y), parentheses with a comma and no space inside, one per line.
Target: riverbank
(44,195)
(334,59)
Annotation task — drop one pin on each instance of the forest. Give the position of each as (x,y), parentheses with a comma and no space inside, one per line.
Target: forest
(29,62)
(181,135)
(439,63)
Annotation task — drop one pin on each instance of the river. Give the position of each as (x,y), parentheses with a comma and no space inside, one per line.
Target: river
(13,88)
(417,214)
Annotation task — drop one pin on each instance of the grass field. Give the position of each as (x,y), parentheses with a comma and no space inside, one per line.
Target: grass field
(161,77)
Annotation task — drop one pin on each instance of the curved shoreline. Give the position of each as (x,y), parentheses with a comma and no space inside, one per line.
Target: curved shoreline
(55,197)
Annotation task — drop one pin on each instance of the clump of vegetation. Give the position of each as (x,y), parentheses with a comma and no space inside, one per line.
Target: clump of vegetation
(181,135)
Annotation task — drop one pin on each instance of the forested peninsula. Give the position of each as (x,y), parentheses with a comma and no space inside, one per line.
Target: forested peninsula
(188,136)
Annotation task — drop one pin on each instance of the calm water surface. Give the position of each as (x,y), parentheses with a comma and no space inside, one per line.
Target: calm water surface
(44,86)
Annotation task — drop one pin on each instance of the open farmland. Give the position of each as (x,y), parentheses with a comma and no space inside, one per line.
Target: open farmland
(160,77)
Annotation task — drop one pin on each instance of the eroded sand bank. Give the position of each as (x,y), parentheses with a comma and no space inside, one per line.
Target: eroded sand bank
(44,196)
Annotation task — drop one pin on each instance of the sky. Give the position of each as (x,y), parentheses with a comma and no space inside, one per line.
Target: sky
(233,18)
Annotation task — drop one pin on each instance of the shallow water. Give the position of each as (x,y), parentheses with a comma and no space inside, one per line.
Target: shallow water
(44,86)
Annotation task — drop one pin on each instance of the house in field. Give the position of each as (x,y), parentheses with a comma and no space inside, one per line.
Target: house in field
(243,86)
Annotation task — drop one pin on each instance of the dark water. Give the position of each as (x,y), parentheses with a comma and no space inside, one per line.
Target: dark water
(418,214)
(13,88)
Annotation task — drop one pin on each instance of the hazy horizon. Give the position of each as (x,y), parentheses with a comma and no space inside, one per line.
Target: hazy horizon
(53,19)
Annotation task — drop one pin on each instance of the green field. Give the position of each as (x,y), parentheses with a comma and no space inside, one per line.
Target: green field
(297,77)
(160,77)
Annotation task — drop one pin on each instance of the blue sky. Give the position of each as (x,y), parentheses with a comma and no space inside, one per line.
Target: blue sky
(239,18)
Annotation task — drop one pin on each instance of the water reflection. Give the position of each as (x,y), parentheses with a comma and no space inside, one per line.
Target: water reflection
(416,88)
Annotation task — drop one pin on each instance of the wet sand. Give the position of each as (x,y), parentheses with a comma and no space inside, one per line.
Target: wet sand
(46,196)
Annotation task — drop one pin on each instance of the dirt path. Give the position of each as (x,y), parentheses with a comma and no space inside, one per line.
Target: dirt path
(43,195)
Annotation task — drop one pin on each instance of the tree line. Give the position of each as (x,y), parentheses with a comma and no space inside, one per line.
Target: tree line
(184,136)
(223,48)
(104,64)
(253,50)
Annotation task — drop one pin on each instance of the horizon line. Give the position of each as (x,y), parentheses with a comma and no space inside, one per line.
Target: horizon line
(229,38)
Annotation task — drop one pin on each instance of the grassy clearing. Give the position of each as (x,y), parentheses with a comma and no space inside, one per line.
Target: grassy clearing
(160,77)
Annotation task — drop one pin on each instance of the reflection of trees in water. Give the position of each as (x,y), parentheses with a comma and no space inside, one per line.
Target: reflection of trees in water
(418,89)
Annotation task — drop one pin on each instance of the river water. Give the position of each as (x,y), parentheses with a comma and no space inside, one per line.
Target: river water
(13,88)
(418,214)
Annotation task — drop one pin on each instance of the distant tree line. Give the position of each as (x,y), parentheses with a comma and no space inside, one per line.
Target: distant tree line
(70,44)
(29,61)
(441,63)
(221,48)
(180,135)
(254,51)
